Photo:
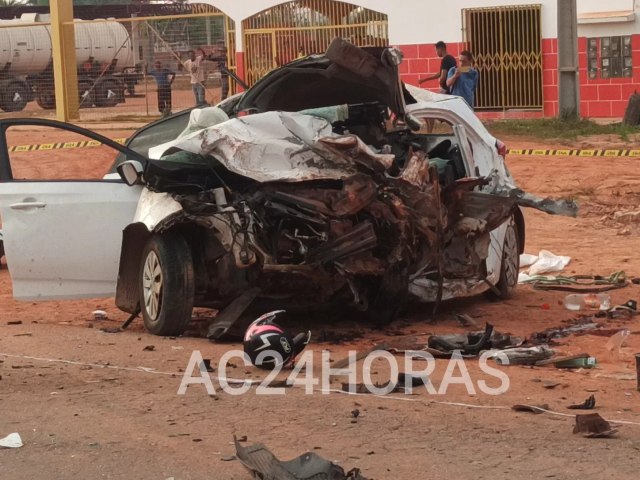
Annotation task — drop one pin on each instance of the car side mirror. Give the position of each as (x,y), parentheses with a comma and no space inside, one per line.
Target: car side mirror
(130,172)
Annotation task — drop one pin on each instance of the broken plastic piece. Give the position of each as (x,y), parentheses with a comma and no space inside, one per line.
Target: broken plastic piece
(523,356)
(593,425)
(588,404)
(590,301)
(12,440)
(264,465)
(537,409)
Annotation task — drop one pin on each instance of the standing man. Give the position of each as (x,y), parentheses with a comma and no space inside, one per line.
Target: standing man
(164,78)
(221,60)
(447,63)
(197,73)
(463,81)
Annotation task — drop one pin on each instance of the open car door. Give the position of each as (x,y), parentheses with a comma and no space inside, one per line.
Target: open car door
(62,222)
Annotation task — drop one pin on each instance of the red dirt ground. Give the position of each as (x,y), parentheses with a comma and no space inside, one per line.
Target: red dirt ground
(79,421)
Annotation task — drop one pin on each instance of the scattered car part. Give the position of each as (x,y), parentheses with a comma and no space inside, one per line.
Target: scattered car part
(523,356)
(553,361)
(592,425)
(225,319)
(471,344)
(579,283)
(583,362)
(537,409)
(588,404)
(264,465)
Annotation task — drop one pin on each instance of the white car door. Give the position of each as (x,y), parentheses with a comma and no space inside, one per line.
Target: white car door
(62,236)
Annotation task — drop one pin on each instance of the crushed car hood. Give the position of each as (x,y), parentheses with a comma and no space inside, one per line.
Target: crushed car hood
(345,74)
(277,147)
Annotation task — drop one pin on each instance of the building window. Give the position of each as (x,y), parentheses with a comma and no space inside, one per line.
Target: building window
(612,55)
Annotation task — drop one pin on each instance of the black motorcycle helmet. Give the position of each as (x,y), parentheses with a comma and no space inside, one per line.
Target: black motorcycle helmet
(269,346)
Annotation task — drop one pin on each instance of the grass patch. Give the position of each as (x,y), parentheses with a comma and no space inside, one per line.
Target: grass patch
(555,128)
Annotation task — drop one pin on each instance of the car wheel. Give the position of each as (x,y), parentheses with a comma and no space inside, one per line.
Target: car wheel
(510,264)
(166,283)
(15,97)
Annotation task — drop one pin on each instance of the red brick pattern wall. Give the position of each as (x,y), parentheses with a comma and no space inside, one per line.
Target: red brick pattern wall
(607,97)
(550,76)
(598,97)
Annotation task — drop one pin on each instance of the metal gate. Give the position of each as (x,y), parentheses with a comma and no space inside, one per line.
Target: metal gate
(507,46)
(291,30)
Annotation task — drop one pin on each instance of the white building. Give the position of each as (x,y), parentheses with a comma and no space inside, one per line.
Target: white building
(514,41)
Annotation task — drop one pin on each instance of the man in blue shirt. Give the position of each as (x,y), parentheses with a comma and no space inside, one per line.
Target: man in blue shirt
(164,78)
(463,80)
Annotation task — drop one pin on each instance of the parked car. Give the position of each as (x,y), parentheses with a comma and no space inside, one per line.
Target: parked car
(323,183)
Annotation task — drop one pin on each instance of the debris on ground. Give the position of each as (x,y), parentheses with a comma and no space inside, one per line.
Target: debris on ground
(617,341)
(409,380)
(14,322)
(523,356)
(588,404)
(576,283)
(587,301)
(99,315)
(592,425)
(576,361)
(550,385)
(545,262)
(149,348)
(471,344)
(537,409)
(111,330)
(12,440)
(222,325)
(593,324)
(264,465)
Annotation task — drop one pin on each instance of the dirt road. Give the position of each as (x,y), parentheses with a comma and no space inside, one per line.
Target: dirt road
(86,409)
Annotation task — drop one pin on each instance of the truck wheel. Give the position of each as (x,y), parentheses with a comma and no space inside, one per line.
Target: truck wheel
(509,266)
(46,99)
(107,93)
(15,97)
(86,95)
(166,284)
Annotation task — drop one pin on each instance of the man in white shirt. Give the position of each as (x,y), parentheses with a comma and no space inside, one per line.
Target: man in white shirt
(197,72)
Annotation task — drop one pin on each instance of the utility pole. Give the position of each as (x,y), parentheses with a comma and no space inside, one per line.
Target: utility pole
(568,80)
(63,49)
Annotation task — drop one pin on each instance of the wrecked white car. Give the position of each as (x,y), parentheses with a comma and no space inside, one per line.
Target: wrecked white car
(300,192)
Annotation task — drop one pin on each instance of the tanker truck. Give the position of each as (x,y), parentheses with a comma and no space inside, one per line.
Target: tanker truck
(104,55)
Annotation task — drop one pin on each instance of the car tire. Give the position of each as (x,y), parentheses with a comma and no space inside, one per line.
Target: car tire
(15,97)
(166,284)
(509,265)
